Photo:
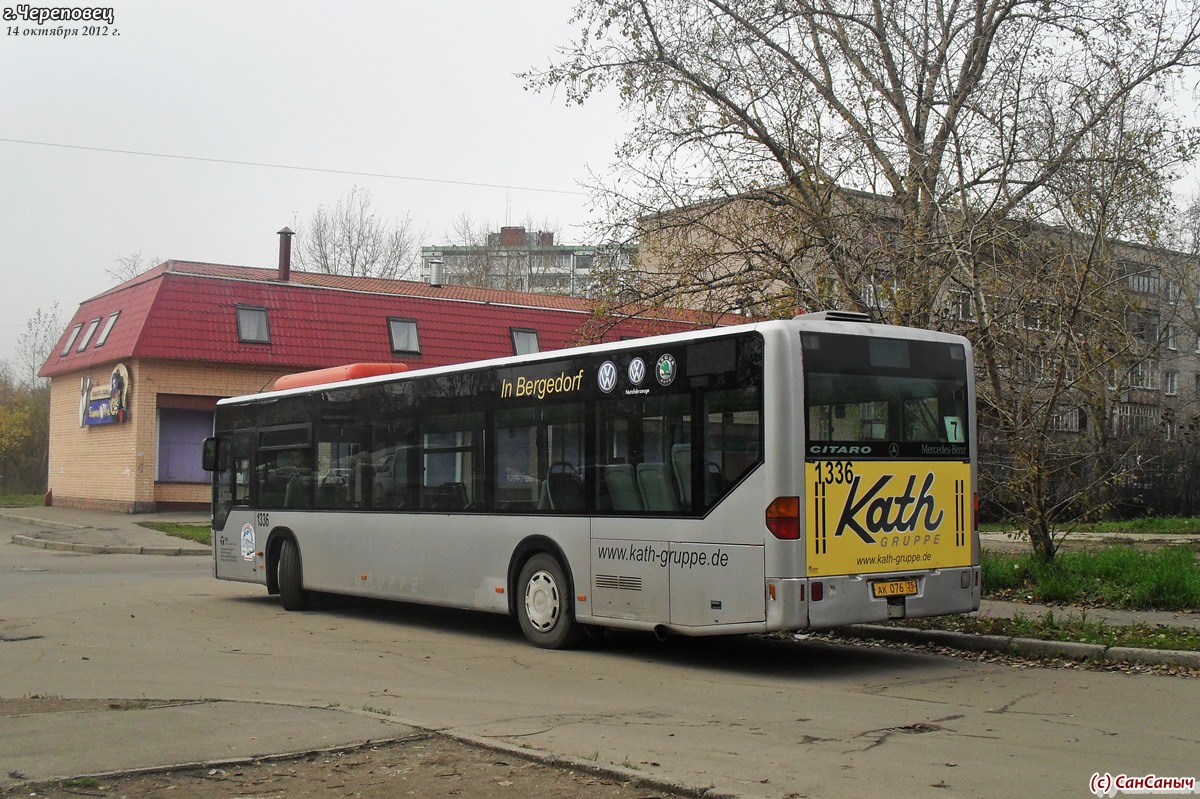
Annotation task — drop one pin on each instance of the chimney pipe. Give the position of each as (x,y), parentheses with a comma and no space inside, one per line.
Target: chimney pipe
(435,272)
(285,254)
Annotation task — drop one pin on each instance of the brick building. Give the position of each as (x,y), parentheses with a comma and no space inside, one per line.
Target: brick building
(139,369)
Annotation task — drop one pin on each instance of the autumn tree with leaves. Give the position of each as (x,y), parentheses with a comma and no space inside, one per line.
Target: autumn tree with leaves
(971,167)
(25,406)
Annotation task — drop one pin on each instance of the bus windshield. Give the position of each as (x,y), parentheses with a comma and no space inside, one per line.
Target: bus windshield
(885,397)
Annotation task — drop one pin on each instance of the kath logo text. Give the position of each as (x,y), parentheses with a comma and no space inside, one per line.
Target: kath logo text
(871,514)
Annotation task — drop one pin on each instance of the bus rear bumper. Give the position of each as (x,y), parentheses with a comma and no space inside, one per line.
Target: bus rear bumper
(836,601)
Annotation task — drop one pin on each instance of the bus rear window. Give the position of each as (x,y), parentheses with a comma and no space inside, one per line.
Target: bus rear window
(885,397)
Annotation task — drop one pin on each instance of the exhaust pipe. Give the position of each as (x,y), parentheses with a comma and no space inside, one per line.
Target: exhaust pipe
(661,632)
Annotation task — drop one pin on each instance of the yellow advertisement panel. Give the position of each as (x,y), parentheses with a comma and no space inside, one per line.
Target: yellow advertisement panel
(886,516)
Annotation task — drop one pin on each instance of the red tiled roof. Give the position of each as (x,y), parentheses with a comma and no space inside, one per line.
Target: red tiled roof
(186,311)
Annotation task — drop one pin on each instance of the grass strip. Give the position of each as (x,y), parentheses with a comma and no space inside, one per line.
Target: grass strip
(1067,627)
(21,500)
(189,530)
(1167,578)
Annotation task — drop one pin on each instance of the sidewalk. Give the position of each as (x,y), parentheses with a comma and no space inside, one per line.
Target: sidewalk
(99,532)
(47,744)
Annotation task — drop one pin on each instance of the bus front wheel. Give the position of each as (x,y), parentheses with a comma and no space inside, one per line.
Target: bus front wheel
(544,604)
(291,577)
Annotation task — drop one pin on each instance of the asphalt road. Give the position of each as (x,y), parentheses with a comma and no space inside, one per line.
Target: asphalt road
(754,717)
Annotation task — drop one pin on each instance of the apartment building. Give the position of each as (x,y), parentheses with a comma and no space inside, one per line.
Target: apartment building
(516,259)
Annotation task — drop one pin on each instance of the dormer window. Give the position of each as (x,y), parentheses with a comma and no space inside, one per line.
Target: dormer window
(91,329)
(525,342)
(403,333)
(75,334)
(108,326)
(252,325)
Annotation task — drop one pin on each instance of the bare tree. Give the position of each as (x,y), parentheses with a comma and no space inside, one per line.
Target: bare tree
(910,160)
(351,239)
(127,267)
(34,346)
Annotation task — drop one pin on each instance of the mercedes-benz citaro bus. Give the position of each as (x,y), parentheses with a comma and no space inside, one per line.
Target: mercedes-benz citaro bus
(783,475)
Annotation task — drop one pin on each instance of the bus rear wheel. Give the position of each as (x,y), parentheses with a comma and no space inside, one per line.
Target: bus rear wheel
(544,604)
(291,577)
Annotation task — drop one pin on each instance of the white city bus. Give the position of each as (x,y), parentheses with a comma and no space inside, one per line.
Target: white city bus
(784,475)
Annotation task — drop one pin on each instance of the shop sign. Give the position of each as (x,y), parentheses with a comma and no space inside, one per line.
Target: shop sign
(105,404)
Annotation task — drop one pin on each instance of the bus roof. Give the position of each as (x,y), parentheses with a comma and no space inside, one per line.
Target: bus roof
(828,321)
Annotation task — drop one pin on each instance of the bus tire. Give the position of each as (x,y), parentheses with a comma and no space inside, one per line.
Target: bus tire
(544,604)
(291,577)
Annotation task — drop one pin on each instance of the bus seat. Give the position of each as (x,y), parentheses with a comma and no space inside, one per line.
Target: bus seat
(447,496)
(296,493)
(681,463)
(622,487)
(655,482)
(565,490)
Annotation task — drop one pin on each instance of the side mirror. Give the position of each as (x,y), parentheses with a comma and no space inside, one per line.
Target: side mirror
(209,454)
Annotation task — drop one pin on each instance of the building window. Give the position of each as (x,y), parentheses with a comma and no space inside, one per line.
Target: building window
(252,325)
(91,329)
(1144,327)
(181,434)
(403,333)
(1134,419)
(1172,337)
(1172,290)
(1033,316)
(75,334)
(961,306)
(1066,421)
(108,326)
(1170,383)
(525,342)
(1141,279)
(1143,374)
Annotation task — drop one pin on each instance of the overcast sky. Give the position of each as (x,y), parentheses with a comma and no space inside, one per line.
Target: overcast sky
(418,90)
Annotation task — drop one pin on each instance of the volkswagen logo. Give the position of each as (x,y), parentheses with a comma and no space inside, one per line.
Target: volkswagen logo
(637,371)
(607,376)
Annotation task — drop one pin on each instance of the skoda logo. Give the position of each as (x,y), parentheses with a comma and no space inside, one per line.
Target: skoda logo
(637,371)
(665,370)
(607,377)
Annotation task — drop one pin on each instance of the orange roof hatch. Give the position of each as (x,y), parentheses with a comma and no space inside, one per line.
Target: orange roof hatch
(337,374)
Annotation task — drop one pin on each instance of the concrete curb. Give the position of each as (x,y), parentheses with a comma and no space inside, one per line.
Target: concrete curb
(33,521)
(1030,647)
(106,549)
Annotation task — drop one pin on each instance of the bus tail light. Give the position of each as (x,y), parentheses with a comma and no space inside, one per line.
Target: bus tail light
(975,512)
(783,518)
(817,591)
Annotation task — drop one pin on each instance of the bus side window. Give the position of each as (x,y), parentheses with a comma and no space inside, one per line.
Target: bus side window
(732,439)
(285,479)
(340,458)
(644,455)
(232,476)
(450,462)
